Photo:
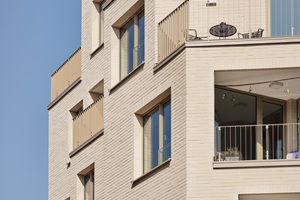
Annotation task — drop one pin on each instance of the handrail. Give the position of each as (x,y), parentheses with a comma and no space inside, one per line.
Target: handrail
(284,124)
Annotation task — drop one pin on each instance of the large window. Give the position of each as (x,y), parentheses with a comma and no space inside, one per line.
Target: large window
(132,44)
(157,136)
(242,132)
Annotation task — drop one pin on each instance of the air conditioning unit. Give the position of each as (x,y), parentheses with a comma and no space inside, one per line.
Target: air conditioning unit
(211,2)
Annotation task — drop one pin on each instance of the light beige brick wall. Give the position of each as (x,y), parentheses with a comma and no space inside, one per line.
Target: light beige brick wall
(112,153)
(190,76)
(203,182)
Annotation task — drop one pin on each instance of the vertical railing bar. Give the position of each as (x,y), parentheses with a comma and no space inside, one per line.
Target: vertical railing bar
(215,143)
(298,145)
(168,35)
(171,32)
(162,41)
(187,21)
(240,139)
(267,142)
(219,143)
(229,138)
(246,150)
(251,143)
(178,28)
(278,140)
(294,141)
(298,137)
(225,136)
(158,40)
(273,142)
(183,22)
(164,38)
(235,139)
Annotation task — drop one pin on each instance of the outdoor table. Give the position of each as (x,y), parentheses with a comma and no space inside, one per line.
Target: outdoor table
(222,30)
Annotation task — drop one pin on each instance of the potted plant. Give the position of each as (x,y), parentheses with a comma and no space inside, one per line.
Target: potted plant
(232,154)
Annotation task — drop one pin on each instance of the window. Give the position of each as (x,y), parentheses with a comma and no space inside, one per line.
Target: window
(285,20)
(97,25)
(239,116)
(86,183)
(132,36)
(89,186)
(157,136)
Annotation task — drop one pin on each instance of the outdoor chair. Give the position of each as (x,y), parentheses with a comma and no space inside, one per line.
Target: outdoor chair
(193,36)
(256,34)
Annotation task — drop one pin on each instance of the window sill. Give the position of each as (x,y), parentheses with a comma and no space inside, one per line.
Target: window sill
(151,172)
(64,93)
(96,50)
(138,68)
(86,143)
(256,164)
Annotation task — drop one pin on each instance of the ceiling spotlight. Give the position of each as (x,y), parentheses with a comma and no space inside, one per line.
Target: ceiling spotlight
(276,85)
(224,96)
(233,99)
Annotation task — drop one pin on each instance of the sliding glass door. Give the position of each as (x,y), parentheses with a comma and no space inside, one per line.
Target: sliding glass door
(273,137)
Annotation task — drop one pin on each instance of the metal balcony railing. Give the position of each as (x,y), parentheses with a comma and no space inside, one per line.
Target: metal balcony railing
(66,74)
(88,122)
(257,142)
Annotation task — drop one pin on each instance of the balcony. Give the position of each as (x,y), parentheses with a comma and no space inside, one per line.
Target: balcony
(251,19)
(88,123)
(66,75)
(257,115)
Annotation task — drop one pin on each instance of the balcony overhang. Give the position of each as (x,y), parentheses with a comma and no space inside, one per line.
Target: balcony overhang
(266,41)
(243,42)
(262,81)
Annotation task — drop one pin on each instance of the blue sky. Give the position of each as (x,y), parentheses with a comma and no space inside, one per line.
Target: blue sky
(36,36)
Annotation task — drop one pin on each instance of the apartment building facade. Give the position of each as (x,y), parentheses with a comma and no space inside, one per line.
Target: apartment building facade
(179,99)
